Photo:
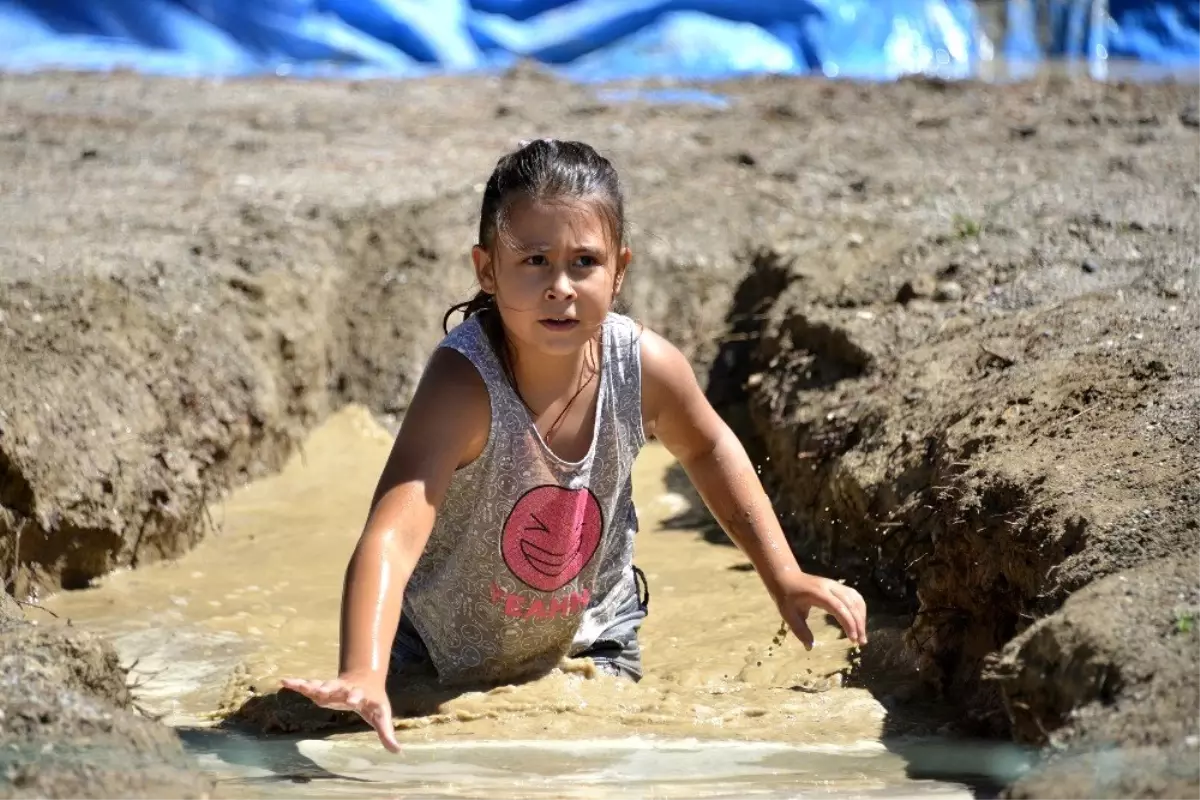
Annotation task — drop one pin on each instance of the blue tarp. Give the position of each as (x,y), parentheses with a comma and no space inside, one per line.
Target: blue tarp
(1135,36)
(585,39)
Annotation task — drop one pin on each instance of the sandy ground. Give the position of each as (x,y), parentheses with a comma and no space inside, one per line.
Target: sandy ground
(957,324)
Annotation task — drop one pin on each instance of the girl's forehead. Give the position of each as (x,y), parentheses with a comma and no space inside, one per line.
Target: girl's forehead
(571,221)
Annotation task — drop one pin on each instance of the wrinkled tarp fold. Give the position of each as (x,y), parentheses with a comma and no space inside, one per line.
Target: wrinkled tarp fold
(586,39)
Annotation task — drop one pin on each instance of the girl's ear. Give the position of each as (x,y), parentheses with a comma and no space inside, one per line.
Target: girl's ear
(623,259)
(484,271)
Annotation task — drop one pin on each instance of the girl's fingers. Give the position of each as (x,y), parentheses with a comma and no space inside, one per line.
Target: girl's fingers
(841,611)
(797,620)
(339,695)
(379,716)
(861,611)
(859,607)
(855,610)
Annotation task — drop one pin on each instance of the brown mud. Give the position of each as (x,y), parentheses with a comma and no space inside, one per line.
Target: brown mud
(1112,676)
(957,324)
(70,727)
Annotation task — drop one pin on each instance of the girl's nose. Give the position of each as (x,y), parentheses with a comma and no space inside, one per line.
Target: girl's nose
(560,288)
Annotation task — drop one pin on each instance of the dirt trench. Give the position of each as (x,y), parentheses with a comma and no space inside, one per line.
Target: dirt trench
(175,405)
(182,404)
(975,436)
(955,324)
(977,467)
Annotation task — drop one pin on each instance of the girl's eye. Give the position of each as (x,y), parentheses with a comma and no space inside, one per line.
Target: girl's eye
(587,261)
(537,260)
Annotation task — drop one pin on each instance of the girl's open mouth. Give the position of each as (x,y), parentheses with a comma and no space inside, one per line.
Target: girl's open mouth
(559,323)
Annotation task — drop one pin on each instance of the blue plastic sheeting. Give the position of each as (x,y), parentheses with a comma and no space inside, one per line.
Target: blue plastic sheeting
(1139,37)
(586,39)
(1166,32)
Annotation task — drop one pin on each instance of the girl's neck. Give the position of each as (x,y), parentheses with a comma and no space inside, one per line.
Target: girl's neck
(542,379)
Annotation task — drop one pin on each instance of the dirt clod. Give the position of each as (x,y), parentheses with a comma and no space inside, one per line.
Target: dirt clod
(69,726)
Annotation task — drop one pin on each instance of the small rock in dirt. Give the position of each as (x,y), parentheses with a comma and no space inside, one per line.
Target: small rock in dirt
(854,240)
(920,286)
(932,121)
(1190,116)
(1024,131)
(1123,163)
(1090,266)
(950,270)
(780,111)
(745,159)
(948,292)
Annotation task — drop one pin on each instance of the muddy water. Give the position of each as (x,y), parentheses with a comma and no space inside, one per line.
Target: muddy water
(726,703)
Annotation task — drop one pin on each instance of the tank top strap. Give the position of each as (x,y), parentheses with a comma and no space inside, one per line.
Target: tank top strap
(623,374)
(471,340)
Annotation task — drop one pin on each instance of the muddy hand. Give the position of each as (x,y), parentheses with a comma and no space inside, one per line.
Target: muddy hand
(844,603)
(362,697)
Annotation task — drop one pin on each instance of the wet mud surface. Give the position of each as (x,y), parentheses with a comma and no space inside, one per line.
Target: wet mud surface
(957,326)
(71,727)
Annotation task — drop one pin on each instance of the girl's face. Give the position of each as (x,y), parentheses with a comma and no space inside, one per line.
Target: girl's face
(554,272)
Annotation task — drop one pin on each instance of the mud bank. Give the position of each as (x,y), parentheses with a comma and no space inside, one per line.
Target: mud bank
(70,725)
(1111,681)
(957,324)
(979,421)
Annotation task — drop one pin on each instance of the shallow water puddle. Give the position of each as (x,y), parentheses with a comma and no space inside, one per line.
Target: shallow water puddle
(630,767)
(726,709)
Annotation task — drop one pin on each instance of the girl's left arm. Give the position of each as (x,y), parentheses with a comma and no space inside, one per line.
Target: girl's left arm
(676,412)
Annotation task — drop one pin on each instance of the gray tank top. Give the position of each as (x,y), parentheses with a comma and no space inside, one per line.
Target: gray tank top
(530,555)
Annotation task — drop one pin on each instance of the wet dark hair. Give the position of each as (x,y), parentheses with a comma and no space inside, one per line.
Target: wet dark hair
(544,170)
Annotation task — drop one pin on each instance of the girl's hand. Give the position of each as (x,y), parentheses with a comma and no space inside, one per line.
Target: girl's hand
(363,695)
(844,603)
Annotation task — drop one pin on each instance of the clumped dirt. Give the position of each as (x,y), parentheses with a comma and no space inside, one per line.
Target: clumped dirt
(957,325)
(1110,683)
(988,471)
(980,420)
(69,724)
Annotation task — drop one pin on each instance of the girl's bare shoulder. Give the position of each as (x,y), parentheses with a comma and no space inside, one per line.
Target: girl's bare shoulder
(450,409)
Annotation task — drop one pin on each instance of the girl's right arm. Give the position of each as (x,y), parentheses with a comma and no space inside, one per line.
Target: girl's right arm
(445,428)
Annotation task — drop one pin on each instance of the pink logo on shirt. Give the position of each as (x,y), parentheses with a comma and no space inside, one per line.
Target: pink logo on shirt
(550,536)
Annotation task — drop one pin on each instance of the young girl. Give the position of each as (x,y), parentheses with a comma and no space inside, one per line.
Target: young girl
(503,522)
